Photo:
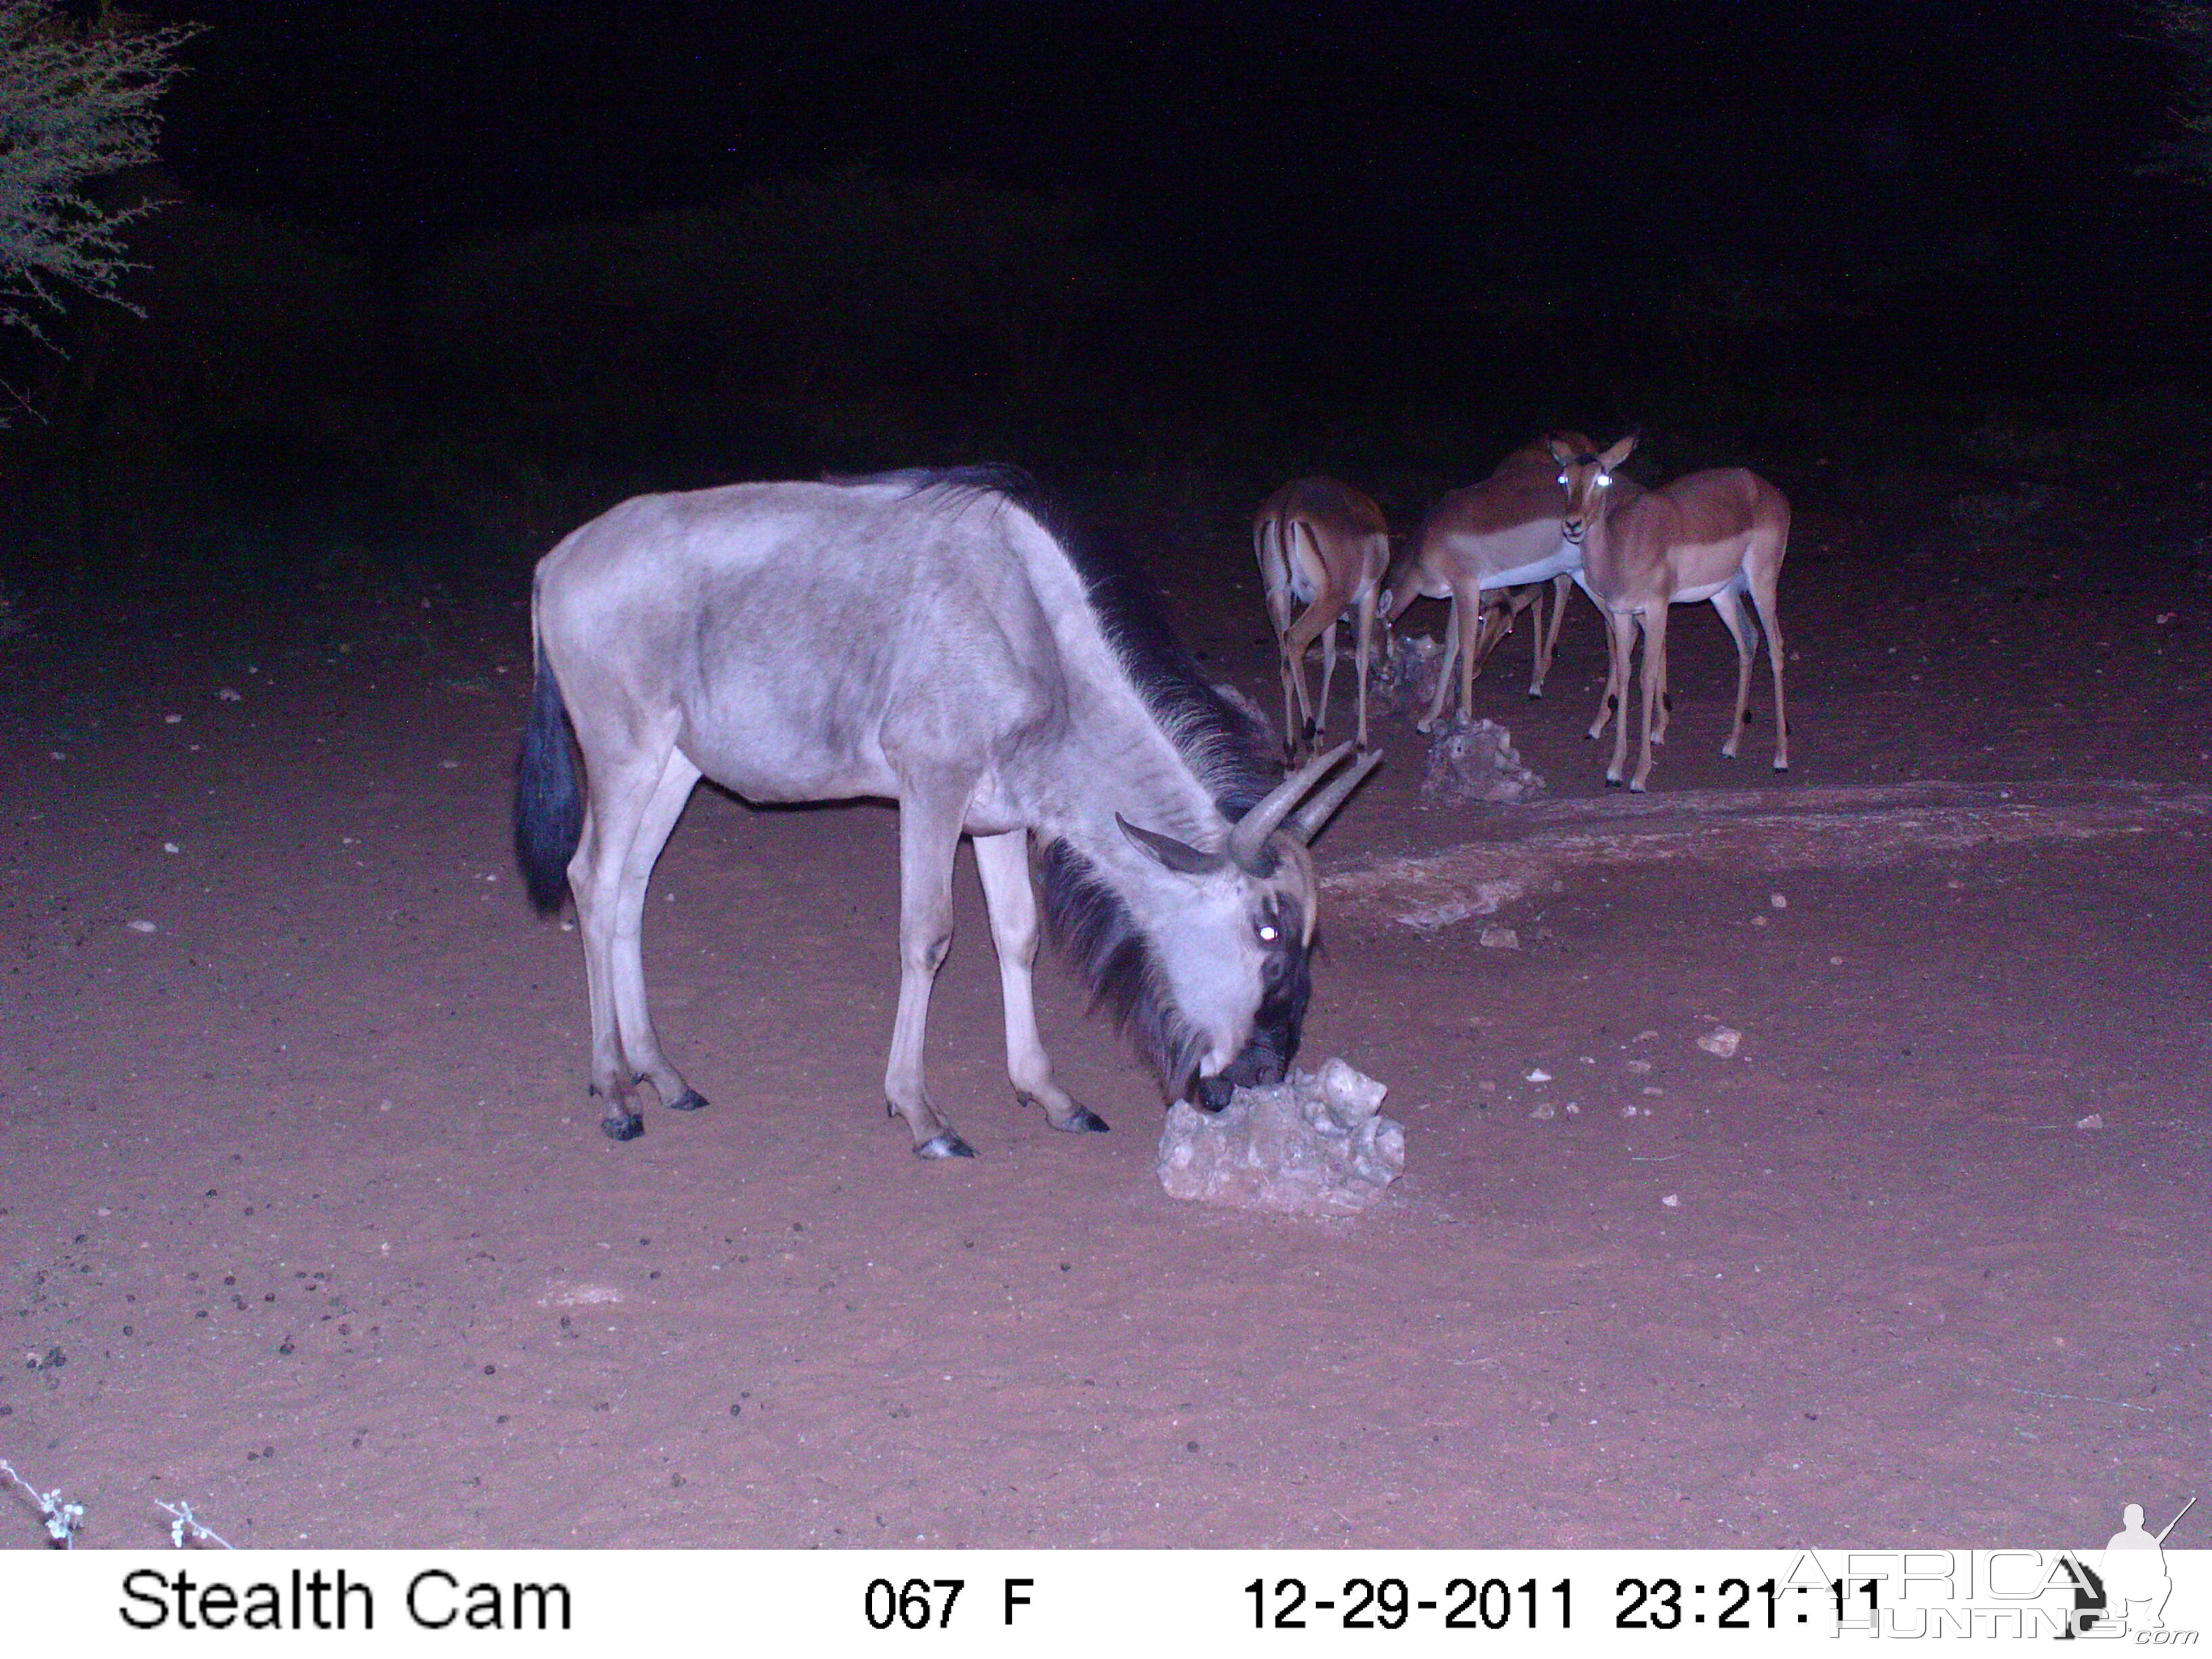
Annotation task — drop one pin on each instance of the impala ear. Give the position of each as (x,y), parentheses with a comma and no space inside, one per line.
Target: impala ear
(1179,856)
(1561,451)
(1620,452)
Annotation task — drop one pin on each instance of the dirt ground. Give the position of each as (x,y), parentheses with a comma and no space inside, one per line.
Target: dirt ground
(307,1220)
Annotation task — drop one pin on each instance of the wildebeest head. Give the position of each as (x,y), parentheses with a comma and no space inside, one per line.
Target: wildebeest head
(1231,950)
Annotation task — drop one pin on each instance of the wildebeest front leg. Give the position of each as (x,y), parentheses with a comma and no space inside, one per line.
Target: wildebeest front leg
(929,836)
(1002,861)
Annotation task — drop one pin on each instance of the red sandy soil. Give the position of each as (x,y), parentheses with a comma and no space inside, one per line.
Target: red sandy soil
(308,1220)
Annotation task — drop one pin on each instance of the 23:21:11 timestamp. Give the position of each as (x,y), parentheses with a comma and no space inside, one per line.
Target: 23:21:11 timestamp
(1494,1604)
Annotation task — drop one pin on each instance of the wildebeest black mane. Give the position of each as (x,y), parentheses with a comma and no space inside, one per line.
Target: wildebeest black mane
(1226,747)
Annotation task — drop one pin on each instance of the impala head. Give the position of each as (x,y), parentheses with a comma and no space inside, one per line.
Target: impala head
(1586,477)
(1221,988)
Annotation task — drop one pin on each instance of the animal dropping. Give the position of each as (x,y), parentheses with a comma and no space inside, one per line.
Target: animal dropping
(1314,1145)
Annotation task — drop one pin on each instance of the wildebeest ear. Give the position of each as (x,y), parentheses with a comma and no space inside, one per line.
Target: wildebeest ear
(1178,856)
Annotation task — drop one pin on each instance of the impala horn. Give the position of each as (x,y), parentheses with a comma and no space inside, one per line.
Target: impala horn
(1252,830)
(1322,807)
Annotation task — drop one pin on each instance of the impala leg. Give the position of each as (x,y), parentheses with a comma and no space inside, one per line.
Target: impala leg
(620,794)
(1466,601)
(1548,641)
(641,1044)
(1428,722)
(1770,616)
(1002,861)
(1747,648)
(929,836)
(1654,684)
(1497,623)
(1303,632)
(1327,676)
(1620,637)
(1363,649)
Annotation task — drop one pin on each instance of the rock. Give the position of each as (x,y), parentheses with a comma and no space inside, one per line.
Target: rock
(1721,1040)
(2094,1121)
(1314,1145)
(1405,681)
(1495,938)
(1476,765)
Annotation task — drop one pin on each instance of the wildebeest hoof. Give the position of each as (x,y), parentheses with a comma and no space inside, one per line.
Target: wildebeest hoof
(689,1101)
(627,1128)
(1083,1121)
(944,1144)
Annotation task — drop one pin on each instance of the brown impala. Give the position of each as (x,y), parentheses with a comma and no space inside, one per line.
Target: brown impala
(1323,545)
(1476,544)
(1717,535)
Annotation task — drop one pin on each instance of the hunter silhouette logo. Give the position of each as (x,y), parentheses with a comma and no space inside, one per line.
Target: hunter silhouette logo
(2135,1580)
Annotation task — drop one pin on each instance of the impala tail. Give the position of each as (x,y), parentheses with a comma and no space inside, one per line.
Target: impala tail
(549,807)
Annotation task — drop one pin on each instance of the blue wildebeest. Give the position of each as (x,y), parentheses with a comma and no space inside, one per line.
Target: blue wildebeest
(934,638)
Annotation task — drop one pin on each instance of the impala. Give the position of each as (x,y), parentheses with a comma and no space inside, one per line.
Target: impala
(1718,535)
(1477,542)
(1323,546)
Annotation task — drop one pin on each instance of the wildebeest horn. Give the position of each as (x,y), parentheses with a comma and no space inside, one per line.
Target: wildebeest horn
(1252,830)
(1179,856)
(1322,807)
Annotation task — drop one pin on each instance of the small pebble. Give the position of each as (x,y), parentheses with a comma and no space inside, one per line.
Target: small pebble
(1628,1111)
(1835,962)
(1573,1110)
(1759,921)
(1672,1201)
(1721,1040)
(226,695)
(1543,1111)
(1779,901)
(1539,1075)
(1639,1066)
(2094,1121)
(172,719)
(169,846)
(1500,938)
(143,927)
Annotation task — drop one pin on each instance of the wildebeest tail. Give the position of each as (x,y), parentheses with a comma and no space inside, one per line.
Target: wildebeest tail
(548,807)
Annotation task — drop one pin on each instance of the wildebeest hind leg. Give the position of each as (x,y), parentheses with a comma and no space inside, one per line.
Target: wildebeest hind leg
(929,836)
(620,794)
(1002,861)
(640,1045)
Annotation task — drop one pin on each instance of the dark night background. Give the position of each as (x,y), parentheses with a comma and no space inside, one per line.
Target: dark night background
(500,263)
